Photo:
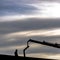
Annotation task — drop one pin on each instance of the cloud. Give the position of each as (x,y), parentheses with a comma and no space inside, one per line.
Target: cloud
(44,9)
(20,31)
(15,9)
(44,33)
(16,40)
(21,20)
(12,7)
(29,24)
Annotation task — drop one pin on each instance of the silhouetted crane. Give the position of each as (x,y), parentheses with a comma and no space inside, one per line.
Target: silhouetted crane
(43,43)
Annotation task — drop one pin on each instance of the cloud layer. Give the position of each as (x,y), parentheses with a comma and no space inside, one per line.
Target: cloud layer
(16,34)
(21,20)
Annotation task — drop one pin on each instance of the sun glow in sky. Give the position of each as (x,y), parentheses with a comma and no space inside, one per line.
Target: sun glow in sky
(49,10)
(52,10)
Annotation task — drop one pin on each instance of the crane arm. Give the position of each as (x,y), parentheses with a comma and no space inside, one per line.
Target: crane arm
(43,43)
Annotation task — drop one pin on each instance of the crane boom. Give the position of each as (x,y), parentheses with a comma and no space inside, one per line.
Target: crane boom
(43,43)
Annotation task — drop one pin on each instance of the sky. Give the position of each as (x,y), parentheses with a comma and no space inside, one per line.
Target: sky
(21,20)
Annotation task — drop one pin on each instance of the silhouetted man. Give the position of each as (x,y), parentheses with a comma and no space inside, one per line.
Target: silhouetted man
(16,52)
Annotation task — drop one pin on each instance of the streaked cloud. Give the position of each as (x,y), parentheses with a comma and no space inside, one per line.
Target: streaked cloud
(21,20)
(52,32)
(42,9)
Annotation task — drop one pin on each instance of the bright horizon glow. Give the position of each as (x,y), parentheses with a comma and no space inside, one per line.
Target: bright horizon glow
(43,55)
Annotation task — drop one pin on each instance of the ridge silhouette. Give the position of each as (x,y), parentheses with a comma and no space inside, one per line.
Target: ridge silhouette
(10,57)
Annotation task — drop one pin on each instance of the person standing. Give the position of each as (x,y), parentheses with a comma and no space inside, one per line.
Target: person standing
(16,52)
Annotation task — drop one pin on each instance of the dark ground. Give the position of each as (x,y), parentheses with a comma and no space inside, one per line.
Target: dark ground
(9,57)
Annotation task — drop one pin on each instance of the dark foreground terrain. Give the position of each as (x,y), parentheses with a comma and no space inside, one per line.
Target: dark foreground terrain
(8,57)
